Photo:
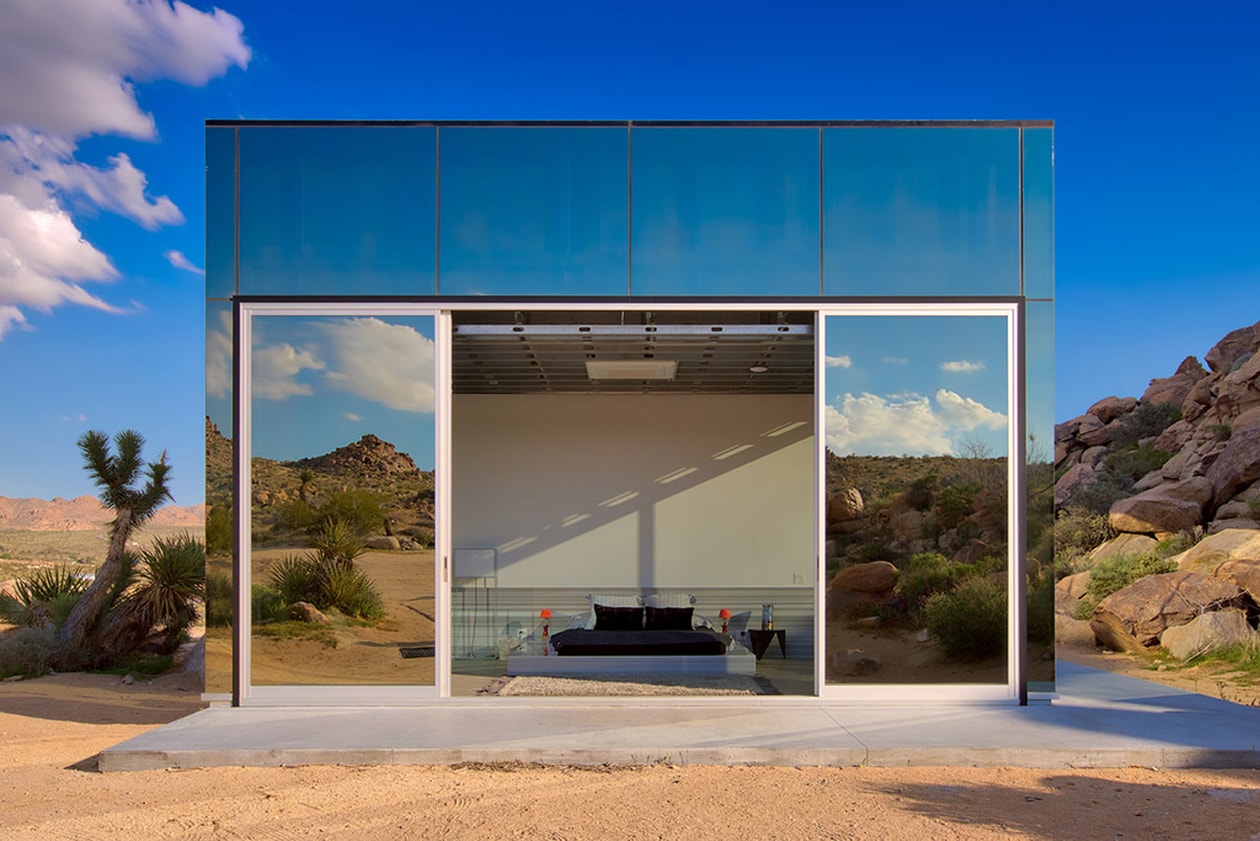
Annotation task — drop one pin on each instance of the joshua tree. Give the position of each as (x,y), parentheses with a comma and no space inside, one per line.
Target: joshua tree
(117,475)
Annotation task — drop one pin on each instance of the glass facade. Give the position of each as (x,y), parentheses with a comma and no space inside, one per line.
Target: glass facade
(462,376)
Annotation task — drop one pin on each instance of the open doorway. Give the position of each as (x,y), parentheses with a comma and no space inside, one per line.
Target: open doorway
(632,456)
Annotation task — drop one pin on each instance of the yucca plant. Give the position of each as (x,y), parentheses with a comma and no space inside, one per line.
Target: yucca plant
(44,598)
(336,540)
(170,581)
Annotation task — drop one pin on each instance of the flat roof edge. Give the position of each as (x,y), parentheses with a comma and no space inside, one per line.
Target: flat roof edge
(241,123)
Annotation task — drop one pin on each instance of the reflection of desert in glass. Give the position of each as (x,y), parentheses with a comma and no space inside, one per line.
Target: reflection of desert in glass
(916,569)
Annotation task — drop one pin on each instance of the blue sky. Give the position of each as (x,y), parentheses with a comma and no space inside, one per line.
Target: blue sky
(100,327)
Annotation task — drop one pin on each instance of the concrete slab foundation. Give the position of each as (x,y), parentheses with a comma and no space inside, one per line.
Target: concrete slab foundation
(1100,720)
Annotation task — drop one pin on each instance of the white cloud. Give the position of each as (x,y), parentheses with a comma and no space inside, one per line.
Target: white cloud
(907,423)
(845,361)
(895,360)
(965,413)
(219,356)
(274,368)
(353,418)
(179,261)
(962,367)
(67,70)
(391,364)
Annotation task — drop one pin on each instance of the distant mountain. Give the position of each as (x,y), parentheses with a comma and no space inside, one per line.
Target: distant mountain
(84,513)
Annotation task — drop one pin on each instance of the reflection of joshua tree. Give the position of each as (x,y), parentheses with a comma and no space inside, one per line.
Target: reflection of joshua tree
(304,478)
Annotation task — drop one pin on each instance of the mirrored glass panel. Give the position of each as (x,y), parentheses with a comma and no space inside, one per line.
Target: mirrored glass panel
(921,211)
(1039,563)
(219,533)
(725,211)
(533,211)
(342,502)
(1039,212)
(220,212)
(346,210)
(916,483)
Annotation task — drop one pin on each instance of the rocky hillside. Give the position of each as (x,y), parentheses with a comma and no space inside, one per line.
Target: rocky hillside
(1183,456)
(369,464)
(84,513)
(1176,470)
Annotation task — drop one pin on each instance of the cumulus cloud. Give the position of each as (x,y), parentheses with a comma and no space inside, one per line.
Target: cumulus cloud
(219,356)
(391,364)
(845,361)
(871,424)
(353,418)
(67,71)
(179,261)
(274,370)
(962,367)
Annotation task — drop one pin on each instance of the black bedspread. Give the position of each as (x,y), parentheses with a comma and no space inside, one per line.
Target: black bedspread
(580,642)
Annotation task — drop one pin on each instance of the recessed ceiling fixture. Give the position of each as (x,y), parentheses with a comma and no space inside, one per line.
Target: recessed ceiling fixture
(631,369)
(759,369)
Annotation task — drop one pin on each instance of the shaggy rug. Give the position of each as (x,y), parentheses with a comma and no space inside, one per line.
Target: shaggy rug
(632,685)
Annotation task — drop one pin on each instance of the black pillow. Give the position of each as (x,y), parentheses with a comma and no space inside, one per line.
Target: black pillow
(669,618)
(618,618)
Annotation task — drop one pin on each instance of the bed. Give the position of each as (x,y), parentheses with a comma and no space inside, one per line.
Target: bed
(655,634)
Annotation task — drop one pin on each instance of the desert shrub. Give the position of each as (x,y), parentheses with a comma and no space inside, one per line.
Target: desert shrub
(170,581)
(296,578)
(970,620)
(1135,463)
(922,491)
(1145,421)
(218,600)
(350,591)
(1254,507)
(1077,531)
(955,504)
(1108,488)
(295,515)
(29,652)
(1115,573)
(219,530)
(1040,608)
(267,605)
(360,510)
(1220,431)
(337,541)
(927,573)
(878,551)
(43,598)
(423,536)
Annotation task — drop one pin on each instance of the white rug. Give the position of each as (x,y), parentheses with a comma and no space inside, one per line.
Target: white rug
(631,685)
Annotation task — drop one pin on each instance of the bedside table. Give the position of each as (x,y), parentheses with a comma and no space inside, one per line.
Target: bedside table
(761,641)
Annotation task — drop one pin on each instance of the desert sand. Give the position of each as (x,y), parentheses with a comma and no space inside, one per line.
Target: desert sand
(51,729)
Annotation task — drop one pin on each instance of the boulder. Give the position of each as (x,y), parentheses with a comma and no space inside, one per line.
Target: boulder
(1110,408)
(1238,464)
(1237,343)
(1211,552)
(307,612)
(852,663)
(1078,477)
(845,505)
(1171,507)
(1094,456)
(383,542)
(1132,619)
(1175,436)
(874,577)
(1231,524)
(1073,632)
(1205,633)
(1124,544)
(1244,573)
(1199,398)
(1175,389)
(1100,435)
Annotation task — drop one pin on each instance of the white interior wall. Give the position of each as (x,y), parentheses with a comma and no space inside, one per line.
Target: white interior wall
(636,491)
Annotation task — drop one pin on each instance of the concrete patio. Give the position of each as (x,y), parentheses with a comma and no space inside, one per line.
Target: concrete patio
(1099,720)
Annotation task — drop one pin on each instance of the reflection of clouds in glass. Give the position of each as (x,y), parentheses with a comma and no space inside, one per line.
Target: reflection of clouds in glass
(962,366)
(219,357)
(275,367)
(844,361)
(895,360)
(391,364)
(907,423)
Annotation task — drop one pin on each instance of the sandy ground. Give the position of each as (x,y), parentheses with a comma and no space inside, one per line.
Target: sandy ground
(52,728)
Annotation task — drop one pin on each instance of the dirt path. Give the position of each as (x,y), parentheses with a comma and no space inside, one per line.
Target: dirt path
(51,729)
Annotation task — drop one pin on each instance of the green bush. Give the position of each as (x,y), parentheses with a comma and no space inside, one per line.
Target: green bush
(29,652)
(296,579)
(267,605)
(359,509)
(1254,507)
(347,589)
(970,621)
(1040,607)
(1137,462)
(295,515)
(1107,488)
(1113,574)
(219,531)
(923,491)
(956,503)
(1220,431)
(327,584)
(1145,421)
(218,600)
(927,573)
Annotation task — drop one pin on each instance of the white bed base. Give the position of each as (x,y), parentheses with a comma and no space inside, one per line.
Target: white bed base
(732,663)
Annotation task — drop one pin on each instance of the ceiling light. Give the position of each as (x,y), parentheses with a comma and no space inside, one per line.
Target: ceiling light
(759,369)
(631,369)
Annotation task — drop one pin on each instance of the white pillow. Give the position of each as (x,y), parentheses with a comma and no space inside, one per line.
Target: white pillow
(669,600)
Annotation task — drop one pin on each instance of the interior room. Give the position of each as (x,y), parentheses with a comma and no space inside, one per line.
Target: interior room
(631,453)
